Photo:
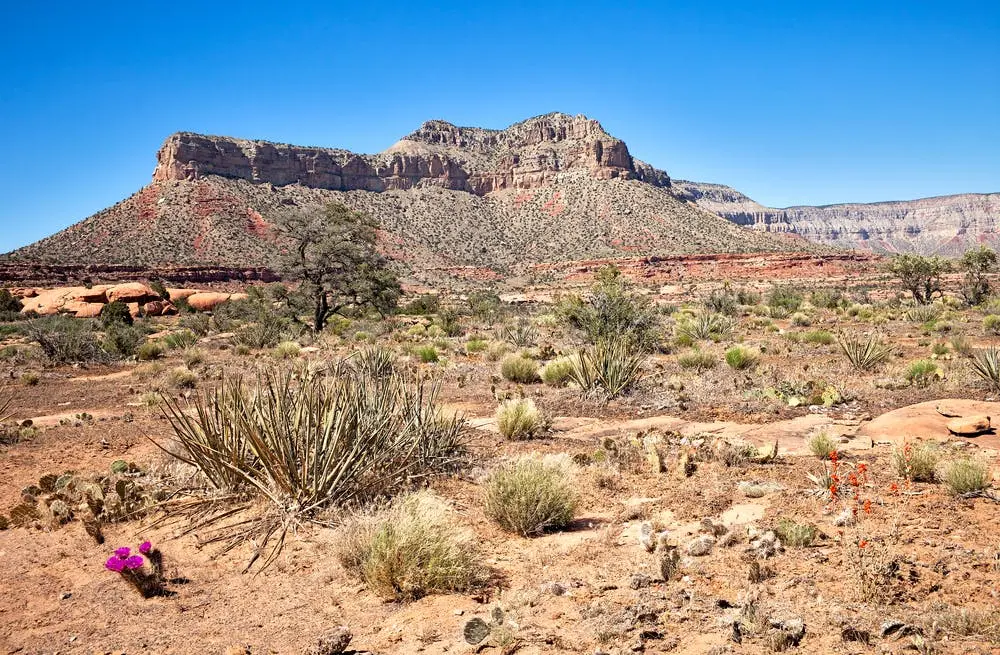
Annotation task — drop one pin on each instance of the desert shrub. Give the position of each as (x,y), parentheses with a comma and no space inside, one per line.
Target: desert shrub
(199,324)
(263,333)
(801,319)
(409,550)
(966,475)
(785,298)
(193,356)
(703,326)
(66,340)
(182,378)
(558,372)
(741,359)
(864,352)
(520,335)
(422,305)
(485,306)
(986,364)
(962,346)
(821,445)
(747,298)
(473,346)
(924,313)
(286,350)
(978,264)
(920,275)
(821,337)
(179,340)
(966,622)
(826,298)
(529,496)
(991,324)
(918,464)
(795,535)
(613,311)
(426,354)
(496,350)
(610,368)
(149,351)
(698,360)
(939,349)
(115,312)
(9,303)
(303,444)
(722,301)
(450,322)
(375,362)
(122,340)
(922,372)
(518,368)
(519,418)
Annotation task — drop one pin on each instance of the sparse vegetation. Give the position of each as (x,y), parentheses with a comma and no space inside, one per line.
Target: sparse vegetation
(609,368)
(864,352)
(916,463)
(821,445)
(529,496)
(613,311)
(518,368)
(741,359)
(519,418)
(699,360)
(558,372)
(966,475)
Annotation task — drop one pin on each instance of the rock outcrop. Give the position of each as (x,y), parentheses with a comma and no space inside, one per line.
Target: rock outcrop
(946,225)
(526,155)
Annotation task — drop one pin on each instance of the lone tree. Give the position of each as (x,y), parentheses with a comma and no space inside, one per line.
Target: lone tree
(920,275)
(331,254)
(977,263)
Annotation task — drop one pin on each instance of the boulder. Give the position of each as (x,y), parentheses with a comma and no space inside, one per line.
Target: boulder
(969,426)
(131,292)
(206,301)
(180,294)
(88,309)
(134,309)
(159,308)
(47,302)
(95,294)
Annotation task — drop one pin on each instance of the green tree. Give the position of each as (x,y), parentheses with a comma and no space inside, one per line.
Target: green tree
(920,275)
(977,263)
(331,254)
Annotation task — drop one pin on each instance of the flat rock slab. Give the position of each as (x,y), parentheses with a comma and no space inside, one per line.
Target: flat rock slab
(926,421)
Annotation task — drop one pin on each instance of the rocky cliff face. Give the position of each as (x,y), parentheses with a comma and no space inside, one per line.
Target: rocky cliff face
(946,225)
(526,155)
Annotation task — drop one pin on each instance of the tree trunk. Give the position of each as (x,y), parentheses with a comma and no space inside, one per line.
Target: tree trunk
(319,320)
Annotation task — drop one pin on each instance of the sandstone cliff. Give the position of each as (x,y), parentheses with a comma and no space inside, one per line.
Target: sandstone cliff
(946,225)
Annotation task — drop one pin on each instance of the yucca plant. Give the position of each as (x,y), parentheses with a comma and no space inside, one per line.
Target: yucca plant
(610,368)
(305,443)
(6,400)
(704,326)
(520,335)
(864,353)
(986,364)
(375,362)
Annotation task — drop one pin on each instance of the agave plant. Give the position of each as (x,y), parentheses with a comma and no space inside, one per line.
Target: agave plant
(305,443)
(610,368)
(986,364)
(864,353)
(705,325)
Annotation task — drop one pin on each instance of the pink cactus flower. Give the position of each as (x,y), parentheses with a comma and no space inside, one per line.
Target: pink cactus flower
(115,564)
(145,547)
(123,552)
(134,562)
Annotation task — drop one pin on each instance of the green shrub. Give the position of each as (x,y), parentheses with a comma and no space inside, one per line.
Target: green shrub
(179,340)
(115,312)
(520,335)
(741,359)
(924,313)
(485,306)
(122,340)
(747,297)
(918,464)
(610,368)
(821,445)
(991,324)
(473,346)
(967,475)
(149,351)
(962,346)
(795,535)
(66,340)
(826,298)
(30,379)
(801,319)
(258,335)
(519,418)
(9,303)
(698,360)
(864,353)
(286,350)
(449,322)
(409,550)
(182,378)
(820,337)
(518,368)
(722,301)
(704,326)
(558,372)
(198,324)
(193,356)
(922,372)
(422,305)
(375,362)
(426,354)
(986,364)
(784,298)
(528,497)
(613,311)
(939,349)
(496,350)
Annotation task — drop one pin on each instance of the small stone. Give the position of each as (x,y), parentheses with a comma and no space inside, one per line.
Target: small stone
(475,631)
(64,595)
(459,612)
(639,581)
(333,642)
(701,546)
(647,537)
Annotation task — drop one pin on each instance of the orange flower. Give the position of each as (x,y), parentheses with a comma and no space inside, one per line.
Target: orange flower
(852,480)
(862,543)
(868,506)
(894,488)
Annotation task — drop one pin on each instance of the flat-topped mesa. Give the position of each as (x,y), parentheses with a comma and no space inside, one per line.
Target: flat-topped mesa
(526,155)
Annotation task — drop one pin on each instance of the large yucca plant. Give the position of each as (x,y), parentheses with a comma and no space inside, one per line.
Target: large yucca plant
(705,325)
(986,364)
(864,352)
(610,368)
(304,444)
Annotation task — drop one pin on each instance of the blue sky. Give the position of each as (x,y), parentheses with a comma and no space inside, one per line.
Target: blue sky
(791,102)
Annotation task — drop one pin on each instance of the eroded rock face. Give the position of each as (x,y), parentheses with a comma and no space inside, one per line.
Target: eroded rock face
(526,155)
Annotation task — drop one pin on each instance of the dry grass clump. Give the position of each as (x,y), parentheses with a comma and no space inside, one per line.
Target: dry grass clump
(966,475)
(286,350)
(872,568)
(519,418)
(923,372)
(182,378)
(558,372)
(795,535)
(699,360)
(529,496)
(149,351)
(409,550)
(518,368)
(864,353)
(303,443)
(821,445)
(65,340)
(966,622)
(917,464)
(193,356)
(741,359)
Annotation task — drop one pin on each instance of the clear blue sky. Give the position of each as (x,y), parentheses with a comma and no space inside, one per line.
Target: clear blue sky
(795,102)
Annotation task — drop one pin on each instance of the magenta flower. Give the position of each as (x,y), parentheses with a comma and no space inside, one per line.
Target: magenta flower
(145,547)
(123,552)
(133,562)
(115,564)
